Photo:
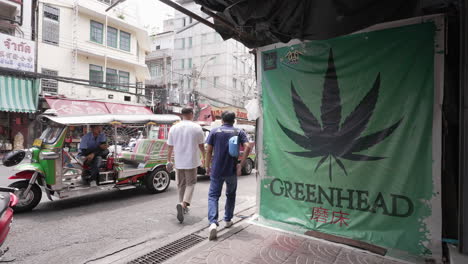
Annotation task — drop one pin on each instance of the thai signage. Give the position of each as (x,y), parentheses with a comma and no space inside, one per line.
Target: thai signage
(16,53)
(240,113)
(348,137)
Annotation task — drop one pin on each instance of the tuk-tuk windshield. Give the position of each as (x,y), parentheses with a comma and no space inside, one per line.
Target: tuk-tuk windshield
(51,134)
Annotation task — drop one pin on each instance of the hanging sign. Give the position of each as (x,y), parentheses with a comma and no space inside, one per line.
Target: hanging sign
(16,53)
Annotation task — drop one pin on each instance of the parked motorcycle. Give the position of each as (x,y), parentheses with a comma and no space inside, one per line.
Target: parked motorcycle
(7,200)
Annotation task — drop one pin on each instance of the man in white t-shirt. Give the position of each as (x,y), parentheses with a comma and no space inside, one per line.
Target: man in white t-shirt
(186,141)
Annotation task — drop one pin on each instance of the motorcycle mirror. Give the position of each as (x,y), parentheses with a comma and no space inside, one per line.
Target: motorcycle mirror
(13,158)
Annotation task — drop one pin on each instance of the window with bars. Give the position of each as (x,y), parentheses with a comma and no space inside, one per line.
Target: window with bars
(112,36)
(155,69)
(124,78)
(49,85)
(125,40)
(51,25)
(96,32)
(112,77)
(95,75)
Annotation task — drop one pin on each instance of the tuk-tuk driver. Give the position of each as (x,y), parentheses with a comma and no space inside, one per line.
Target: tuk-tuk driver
(93,148)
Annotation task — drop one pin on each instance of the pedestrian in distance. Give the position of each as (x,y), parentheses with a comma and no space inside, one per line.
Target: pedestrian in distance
(221,144)
(186,142)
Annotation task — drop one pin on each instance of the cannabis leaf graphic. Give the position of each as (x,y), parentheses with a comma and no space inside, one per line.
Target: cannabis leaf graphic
(330,140)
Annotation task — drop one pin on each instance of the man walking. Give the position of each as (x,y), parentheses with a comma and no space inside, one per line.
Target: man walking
(185,141)
(225,168)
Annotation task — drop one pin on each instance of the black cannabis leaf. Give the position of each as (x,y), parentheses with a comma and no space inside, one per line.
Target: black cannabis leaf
(328,140)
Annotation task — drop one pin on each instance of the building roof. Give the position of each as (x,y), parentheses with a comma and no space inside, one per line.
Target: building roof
(258,23)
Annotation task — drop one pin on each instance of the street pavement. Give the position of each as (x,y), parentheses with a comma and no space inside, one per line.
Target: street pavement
(77,230)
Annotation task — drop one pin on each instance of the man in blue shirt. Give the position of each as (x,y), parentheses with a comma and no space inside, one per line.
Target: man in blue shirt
(224,168)
(93,148)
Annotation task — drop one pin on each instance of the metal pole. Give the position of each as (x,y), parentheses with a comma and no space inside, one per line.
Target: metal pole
(115,142)
(463,120)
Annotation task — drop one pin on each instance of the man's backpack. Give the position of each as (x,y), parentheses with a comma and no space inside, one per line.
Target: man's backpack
(234,144)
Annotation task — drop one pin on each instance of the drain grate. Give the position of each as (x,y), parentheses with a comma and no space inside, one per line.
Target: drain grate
(170,250)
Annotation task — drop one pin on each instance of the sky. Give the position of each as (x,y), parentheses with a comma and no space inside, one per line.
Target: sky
(153,12)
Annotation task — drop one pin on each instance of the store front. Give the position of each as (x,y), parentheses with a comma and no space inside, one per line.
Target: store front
(18,105)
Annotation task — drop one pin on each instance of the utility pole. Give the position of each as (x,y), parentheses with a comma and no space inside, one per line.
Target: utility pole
(165,86)
(194,95)
(195,77)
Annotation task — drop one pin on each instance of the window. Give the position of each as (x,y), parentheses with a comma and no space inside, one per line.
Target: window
(189,63)
(190,42)
(183,22)
(49,85)
(189,84)
(95,75)
(182,65)
(127,98)
(96,32)
(178,64)
(155,69)
(204,38)
(158,47)
(215,81)
(112,35)
(234,83)
(125,40)
(124,78)
(179,43)
(190,20)
(203,83)
(112,77)
(51,25)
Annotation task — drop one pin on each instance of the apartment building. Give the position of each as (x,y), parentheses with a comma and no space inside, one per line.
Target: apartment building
(78,39)
(203,62)
(161,85)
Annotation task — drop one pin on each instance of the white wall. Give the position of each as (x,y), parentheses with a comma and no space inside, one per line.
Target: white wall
(61,57)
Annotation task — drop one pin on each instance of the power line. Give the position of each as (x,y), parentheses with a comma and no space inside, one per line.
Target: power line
(33,75)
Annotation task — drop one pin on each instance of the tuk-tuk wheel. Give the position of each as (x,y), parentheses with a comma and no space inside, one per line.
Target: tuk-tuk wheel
(157,181)
(248,166)
(29,201)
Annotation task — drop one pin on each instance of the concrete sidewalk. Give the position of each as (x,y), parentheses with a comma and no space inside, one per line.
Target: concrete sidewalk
(248,243)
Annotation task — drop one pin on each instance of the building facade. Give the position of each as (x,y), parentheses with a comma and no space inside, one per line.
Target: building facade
(79,40)
(160,86)
(18,95)
(206,65)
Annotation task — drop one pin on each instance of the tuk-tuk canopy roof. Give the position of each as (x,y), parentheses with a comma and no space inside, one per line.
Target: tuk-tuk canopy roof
(107,119)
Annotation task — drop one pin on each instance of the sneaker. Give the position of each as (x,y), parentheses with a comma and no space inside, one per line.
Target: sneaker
(229,224)
(212,231)
(180,213)
(92,184)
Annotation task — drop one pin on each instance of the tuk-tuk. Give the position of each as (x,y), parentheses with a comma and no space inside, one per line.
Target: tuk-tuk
(56,169)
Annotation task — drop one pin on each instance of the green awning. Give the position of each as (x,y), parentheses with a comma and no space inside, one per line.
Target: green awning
(18,95)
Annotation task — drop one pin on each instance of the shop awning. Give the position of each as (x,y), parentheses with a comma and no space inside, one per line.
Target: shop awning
(68,107)
(65,107)
(127,109)
(18,95)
